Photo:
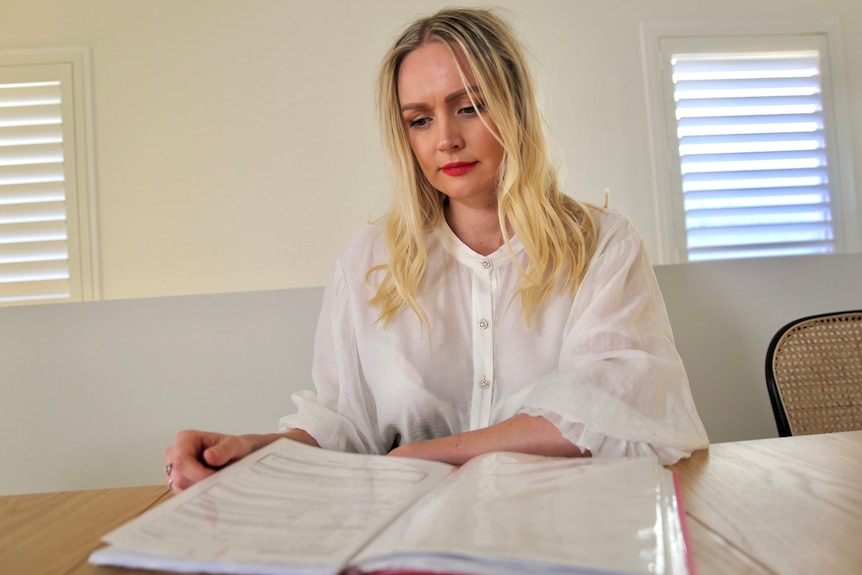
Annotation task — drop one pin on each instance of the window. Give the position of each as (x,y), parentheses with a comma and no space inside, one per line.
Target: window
(750,153)
(45,192)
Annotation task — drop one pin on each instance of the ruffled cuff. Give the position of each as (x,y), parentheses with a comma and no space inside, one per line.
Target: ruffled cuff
(331,430)
(600,445)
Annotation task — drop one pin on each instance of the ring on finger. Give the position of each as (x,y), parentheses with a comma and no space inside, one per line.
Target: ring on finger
(168,469)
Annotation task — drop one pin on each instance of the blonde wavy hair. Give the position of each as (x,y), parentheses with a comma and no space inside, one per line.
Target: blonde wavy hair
(557,232)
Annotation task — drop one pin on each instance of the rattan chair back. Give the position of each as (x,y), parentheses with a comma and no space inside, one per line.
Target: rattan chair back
(814,374)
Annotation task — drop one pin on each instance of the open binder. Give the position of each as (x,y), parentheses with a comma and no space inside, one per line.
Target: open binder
(294,509)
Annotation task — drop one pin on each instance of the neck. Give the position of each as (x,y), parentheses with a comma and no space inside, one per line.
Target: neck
(477,227)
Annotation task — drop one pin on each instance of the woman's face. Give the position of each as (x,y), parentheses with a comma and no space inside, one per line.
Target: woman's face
(456,151)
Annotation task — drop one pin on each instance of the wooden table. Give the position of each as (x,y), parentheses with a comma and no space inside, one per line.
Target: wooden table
(782,506)
(777,506)
(54,533)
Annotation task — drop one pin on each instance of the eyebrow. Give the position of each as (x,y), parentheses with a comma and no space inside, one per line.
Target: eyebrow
(448,99)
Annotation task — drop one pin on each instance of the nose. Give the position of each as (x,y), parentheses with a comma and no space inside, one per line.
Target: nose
(449,136)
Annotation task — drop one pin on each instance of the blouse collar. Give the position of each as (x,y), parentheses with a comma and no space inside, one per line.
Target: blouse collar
(464,254)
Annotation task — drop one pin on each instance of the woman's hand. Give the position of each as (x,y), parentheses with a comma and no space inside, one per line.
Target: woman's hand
(195,455)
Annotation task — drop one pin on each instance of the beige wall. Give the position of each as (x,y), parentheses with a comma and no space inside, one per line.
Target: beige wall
(235,143)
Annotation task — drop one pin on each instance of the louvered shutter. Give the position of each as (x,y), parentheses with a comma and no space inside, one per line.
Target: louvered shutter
(39,250)
(752,151)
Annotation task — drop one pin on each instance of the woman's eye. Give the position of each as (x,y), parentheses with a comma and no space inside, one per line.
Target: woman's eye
(471,109)
(418,122)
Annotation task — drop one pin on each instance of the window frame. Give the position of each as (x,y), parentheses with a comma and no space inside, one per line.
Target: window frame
(741,37)
(79,172)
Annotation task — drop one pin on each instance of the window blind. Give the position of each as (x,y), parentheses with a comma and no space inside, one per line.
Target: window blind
(752,154)
(34,255)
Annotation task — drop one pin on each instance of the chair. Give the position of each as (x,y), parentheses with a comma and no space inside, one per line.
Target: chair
(814,374)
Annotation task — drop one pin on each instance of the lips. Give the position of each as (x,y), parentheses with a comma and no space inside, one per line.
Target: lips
(458,168)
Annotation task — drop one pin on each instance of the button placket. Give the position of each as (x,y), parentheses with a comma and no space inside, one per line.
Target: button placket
(483,342)
(487,265)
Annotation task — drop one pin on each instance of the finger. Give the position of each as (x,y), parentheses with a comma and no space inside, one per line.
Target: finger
(229,449)
(186,455)
(179,484)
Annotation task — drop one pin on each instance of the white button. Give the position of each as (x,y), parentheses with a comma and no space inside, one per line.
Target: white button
(484,384)
(483,324)
(486,264)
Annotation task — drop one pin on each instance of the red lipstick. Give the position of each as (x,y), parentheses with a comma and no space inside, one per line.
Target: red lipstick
(457,168)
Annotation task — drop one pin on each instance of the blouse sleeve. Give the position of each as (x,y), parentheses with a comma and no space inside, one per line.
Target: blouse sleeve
(340,415)
(621,388)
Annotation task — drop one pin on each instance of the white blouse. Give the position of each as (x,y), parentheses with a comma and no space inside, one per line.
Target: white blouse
(600,365)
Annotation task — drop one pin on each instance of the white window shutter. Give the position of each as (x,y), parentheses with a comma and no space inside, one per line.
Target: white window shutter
(753,156)
(751,150)
(44,224)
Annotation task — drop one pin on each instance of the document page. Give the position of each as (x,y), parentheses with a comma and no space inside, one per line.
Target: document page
(288,508)
(507,513)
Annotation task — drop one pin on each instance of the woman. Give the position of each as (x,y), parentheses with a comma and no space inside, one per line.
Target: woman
(489,311)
